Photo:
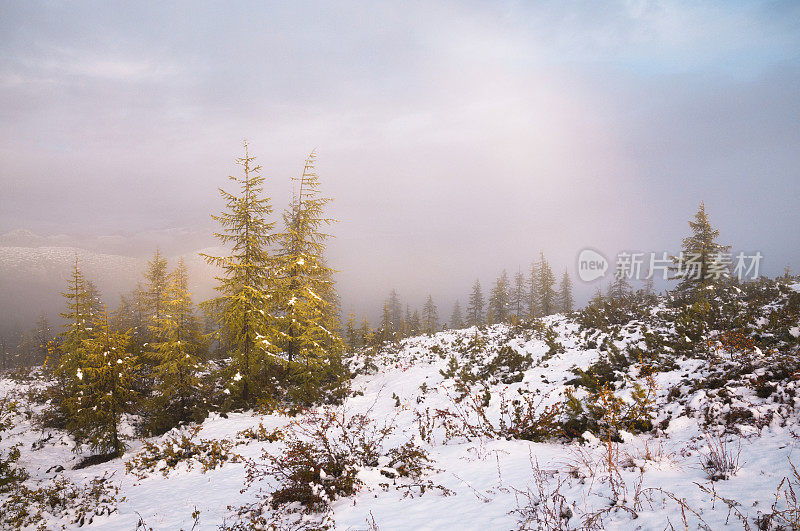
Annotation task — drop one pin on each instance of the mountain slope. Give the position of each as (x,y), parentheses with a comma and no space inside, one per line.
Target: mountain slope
(476,402)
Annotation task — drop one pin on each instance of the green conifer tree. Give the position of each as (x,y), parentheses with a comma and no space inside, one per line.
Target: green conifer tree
(396,311)
(177,352)
(620,289)
(701,265)
(150,305)
(308,323)
(499,300)
(565,298)
(456,319)
(415,326)
(102,389)
(430,317)
(475,316)
(96,306)
(365,334)
(243,309)
(352,335)
(77,316)
(77,328)
(518,296)
(648,286)
(545,288)
(532,299)
(69,354)
(387,330)
(391,318)
(156,285)
(131,315)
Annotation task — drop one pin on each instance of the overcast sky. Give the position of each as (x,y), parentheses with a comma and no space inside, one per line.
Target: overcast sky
(457,139)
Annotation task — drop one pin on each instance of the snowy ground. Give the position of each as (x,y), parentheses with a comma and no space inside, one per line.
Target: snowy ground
(487,478)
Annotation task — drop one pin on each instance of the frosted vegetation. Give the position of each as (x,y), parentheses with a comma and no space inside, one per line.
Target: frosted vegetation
(613,416)
(263,411)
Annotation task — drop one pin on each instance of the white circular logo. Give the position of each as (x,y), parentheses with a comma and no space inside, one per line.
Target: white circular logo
(591,265)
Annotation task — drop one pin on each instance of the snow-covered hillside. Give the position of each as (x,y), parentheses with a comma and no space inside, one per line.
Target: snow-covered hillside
(491,461)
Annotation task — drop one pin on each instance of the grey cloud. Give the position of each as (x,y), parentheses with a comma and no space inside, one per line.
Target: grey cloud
(456,138)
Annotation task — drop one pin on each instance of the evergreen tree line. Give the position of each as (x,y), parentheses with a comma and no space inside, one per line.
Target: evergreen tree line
(533,295)
(537,294)
(396,323)
(270,338)
(527,297)
(703,274)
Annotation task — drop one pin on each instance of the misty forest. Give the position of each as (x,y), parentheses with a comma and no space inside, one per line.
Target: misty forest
(489,352)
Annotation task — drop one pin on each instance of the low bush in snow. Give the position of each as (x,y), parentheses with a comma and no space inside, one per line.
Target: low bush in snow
(785,513)
(165,456)
(542,506)
(10,473)
(260,434)
(721,459)
(519,416)
(604,413)
(323,458)
(60,499)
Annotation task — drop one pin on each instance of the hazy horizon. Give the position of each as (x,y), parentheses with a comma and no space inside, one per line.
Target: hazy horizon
(457,139)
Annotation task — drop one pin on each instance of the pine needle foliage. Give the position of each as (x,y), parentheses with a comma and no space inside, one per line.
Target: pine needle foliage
(518,296)
(456,319)
(242,310)
(102,386)
(306,302)
(475,315)
(700,266)
(620,289)
(532,298)
(78,316)
(430,316)
(131,315)
(566,301)
(499,301)
(545,282)
(155,291)
(71,353)
(178,357)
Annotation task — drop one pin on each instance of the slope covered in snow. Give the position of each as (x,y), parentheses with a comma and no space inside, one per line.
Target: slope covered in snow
(479,405)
